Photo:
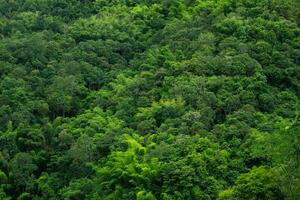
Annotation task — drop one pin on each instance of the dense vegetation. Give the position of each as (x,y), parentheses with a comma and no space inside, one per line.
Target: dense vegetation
(150,99)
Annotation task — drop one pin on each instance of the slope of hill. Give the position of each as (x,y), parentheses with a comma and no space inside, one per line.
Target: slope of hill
(150,99)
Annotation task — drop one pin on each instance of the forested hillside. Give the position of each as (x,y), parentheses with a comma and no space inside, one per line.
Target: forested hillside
(150,99)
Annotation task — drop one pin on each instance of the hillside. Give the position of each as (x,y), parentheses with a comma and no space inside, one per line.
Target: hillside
(149,99)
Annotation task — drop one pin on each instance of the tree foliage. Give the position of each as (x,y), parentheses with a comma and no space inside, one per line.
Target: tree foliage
(149,99)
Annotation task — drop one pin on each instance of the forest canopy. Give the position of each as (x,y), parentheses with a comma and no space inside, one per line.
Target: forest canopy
(150,99)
